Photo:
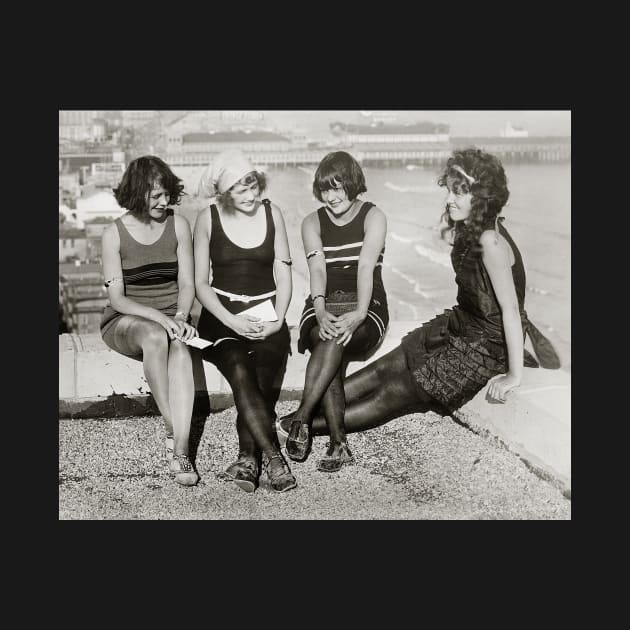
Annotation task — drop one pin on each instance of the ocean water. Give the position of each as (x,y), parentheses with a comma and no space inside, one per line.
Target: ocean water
(417,272)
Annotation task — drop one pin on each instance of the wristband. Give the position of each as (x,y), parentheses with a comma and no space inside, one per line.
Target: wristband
(108,283)
(183,315)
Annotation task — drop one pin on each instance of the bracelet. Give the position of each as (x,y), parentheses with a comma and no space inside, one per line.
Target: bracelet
(182,314)
(320,295)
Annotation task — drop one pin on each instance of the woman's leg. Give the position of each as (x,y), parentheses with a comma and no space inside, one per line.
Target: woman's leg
(270,366)
(181,394)
(361,383)
(333,405)
(323,364)
(134,336)
(234,363)
(334,401)
(240,372)
(394,395)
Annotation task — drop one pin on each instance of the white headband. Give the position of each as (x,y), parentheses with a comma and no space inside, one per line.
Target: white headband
(459,169)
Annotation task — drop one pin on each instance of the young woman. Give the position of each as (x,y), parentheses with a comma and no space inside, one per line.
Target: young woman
(242,260)
(444,363)
(346,315)
(148,270)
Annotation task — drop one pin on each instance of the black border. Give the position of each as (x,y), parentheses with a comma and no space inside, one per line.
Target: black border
(409,80)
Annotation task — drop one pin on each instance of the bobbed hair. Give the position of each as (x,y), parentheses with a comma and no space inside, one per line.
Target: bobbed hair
(339,168)
(489,192)
(137,183)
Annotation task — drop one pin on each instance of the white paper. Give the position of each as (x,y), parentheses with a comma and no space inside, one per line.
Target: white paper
(198,342)
(264,311)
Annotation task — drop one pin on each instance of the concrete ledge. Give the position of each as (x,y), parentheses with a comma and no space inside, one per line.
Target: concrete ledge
(535,422)
(90,372)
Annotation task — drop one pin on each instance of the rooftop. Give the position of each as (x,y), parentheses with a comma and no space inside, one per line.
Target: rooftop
(233,136)
(474,140)
(386,129)
(72,269)
(70,232)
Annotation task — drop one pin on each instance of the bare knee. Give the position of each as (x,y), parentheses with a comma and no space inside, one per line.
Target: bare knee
(179,352)
(153,338)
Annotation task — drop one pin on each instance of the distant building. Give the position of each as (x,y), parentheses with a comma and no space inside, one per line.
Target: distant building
(99,130)
(396,134)
(94,229)
(82,297)
(137,118)
(72,243)
(69,189)
(510,131)
(100,204)
(104,175)
(81,125)
(70,215)
(200,147)
(75,155)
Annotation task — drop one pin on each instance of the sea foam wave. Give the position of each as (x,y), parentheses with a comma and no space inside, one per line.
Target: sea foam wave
(410,279)
(440,258)
(403,239)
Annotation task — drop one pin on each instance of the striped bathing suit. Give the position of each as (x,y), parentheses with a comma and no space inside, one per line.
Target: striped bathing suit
(342,245)
(149,272)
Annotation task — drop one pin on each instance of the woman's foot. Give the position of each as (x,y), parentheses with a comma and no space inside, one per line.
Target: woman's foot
(282,428)
(245,473)
(278,473)
(242,462)
(184,472)
(299,441)
(336,456)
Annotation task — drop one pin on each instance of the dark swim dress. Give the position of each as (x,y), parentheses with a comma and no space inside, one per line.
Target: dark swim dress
(453,356)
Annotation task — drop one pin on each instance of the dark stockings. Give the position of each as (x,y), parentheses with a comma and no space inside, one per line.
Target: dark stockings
(269,380)
(378,393)
(324,381)
(255,390)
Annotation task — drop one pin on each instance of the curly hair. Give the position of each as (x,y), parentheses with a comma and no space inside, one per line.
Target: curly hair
(489,192)
(225,199)
(138,181)
(339,168)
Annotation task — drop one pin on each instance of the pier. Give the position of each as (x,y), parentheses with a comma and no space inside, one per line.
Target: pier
(509,150)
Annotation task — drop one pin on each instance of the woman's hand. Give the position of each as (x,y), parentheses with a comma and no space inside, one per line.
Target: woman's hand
(500,386)
(246,326)
(171,326)
(268,329)
(327,324)
(186,331)
(347,324)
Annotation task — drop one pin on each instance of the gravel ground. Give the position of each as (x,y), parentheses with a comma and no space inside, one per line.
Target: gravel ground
(419,466)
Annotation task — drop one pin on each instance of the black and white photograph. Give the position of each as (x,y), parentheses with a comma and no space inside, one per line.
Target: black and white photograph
(314,314)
